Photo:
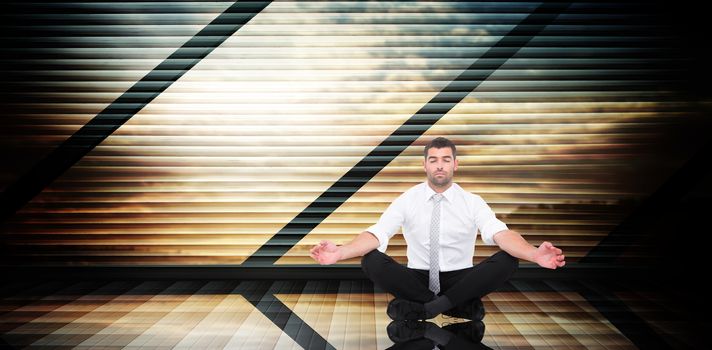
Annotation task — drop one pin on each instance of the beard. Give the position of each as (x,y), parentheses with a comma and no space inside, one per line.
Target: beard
(439,181)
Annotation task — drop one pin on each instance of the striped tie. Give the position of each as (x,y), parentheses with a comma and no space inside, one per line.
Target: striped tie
(435,245)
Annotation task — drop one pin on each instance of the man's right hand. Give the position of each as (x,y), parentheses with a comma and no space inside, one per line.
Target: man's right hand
(326,253)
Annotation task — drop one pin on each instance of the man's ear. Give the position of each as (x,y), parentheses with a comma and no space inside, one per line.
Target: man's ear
(424,170)
(455,168)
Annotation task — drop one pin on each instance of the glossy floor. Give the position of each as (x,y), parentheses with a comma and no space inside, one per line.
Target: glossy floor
(328,314)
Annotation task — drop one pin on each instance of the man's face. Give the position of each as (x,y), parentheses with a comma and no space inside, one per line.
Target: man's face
(440,166)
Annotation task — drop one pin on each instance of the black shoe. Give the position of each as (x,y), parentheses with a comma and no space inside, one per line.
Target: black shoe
(474,311)
(404,331)
(474,330)
(402,309)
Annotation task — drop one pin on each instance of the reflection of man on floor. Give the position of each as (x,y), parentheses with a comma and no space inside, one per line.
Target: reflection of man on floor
(439,214)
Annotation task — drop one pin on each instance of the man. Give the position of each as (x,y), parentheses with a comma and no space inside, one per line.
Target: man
(439,213)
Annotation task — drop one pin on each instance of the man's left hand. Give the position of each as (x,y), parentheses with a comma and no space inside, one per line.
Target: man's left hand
(548,256)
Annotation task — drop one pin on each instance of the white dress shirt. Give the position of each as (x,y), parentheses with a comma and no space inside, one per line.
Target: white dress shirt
(462,215)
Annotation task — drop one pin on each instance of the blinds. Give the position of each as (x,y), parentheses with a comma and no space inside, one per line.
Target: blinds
(562,139)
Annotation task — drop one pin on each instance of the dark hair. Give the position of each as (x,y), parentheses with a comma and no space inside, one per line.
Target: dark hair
(440,142)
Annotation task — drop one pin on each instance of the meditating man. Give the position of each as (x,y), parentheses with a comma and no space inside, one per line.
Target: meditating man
(440,221)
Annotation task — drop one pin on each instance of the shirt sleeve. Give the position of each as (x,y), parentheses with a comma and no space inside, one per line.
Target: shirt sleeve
(390,222)
(487,222)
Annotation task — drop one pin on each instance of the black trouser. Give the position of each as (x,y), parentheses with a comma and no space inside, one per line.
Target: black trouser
(455,343)
(460,286)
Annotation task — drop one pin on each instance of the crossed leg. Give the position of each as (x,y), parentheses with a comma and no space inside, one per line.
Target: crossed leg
(460,286)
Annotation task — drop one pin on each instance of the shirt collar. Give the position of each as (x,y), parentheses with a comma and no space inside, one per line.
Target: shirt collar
(449,194)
